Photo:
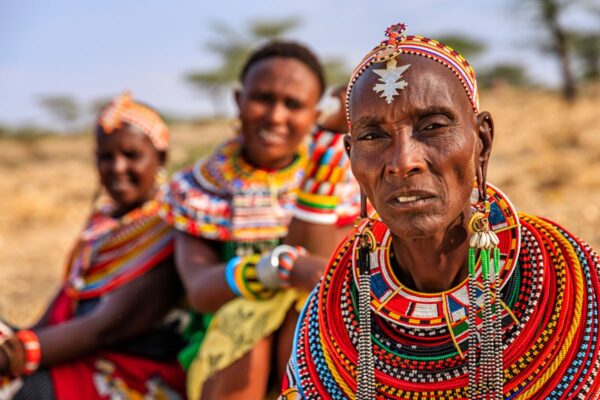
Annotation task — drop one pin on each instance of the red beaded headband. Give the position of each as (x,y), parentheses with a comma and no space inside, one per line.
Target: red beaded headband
(124,110)
(398,43)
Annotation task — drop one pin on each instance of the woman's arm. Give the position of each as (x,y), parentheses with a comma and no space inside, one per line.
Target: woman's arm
(321,241)
(318,239)
(128,311)
(202,273)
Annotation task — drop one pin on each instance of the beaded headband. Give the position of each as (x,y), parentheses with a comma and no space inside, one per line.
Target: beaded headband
(124,110)
(398,43)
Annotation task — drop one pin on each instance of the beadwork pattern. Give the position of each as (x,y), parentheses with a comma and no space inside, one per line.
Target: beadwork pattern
(549,297)
(122,109)
(224,198)
(329,193)
(114,251)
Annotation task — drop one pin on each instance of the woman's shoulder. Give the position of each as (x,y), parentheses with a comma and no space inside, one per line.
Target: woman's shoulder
(190,204)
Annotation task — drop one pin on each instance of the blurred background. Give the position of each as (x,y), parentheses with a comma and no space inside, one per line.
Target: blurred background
(537,61)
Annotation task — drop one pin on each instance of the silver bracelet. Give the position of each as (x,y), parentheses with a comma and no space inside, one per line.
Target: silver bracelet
(267,269)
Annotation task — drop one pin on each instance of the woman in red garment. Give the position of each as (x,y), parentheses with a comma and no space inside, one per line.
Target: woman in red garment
(105,334)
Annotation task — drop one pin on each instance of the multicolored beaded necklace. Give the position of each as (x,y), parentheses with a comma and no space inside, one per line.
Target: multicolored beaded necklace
(420,342)
(114,251)
(226,199)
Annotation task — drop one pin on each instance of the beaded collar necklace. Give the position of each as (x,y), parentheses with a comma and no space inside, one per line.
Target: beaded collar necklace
(227,173)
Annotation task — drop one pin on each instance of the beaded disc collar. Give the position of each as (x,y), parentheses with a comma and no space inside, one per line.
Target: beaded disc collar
(449,309)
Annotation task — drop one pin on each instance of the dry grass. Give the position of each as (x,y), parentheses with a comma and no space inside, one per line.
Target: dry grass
(46,191)
(546,157)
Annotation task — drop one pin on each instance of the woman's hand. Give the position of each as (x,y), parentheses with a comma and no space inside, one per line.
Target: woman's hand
(307,272)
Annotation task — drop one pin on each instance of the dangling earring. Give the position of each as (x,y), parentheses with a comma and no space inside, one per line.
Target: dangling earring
(485,360)
(161,177)
(366,364)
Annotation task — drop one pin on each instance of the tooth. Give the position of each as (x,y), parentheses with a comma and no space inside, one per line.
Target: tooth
(407,199)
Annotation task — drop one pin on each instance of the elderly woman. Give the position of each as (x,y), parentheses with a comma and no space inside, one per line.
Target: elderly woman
(448,293)
(105,334)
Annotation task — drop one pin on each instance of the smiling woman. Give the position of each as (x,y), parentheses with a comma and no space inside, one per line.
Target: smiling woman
(98,338)
(276,110)
(447,293)
(233,207)
(127,163)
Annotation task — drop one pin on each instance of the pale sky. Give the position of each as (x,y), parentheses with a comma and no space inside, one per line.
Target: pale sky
(95,49)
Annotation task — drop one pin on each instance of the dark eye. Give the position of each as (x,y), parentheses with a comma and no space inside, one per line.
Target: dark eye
(433,122)
(293,104)
(265,98)
(132,154)
(371,135)
(431,127)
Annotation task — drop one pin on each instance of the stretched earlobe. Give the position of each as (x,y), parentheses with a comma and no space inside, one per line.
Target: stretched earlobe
(486,138)
(480,176)
(485,125)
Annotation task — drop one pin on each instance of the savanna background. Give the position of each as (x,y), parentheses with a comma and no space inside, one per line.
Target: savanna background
(546,154)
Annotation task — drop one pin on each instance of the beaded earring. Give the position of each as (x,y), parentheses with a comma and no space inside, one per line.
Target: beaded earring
(366,364)
(161,177)
(485,346)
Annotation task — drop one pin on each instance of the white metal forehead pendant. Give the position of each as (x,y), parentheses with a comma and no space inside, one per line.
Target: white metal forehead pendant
(390,77)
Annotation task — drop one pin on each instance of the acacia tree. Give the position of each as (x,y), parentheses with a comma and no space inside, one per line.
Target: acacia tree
(233,48)
(64,109)
(466,46)
(502,73)
(549,13)
(587,51)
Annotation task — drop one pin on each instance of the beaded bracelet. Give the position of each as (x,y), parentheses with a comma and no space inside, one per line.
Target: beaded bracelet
(274,269)
(33,352)
(241,277)
(15,353)
(230,275)
(23,352)
(287,260)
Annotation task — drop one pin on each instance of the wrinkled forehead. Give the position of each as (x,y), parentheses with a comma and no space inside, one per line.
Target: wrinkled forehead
(405,85)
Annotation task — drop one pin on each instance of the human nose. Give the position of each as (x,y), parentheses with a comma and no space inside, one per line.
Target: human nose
(119,164)
(277,113)
(405,157)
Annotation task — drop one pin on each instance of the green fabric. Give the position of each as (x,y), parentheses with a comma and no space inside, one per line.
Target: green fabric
(196,329)
(194,333)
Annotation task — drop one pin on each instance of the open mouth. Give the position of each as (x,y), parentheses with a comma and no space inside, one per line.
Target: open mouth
(118,185)
(272,138)
(410,200)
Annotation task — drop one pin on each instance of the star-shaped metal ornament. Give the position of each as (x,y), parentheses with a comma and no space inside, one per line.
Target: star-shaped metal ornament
(390,77)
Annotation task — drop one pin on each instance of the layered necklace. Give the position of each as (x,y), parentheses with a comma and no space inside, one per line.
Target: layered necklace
(224,198)
(420,341)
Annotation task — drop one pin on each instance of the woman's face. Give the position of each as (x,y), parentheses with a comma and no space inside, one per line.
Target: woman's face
(415,158)
(127,163)
(277,108)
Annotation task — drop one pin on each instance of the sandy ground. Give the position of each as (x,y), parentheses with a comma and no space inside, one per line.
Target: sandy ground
(546,157)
